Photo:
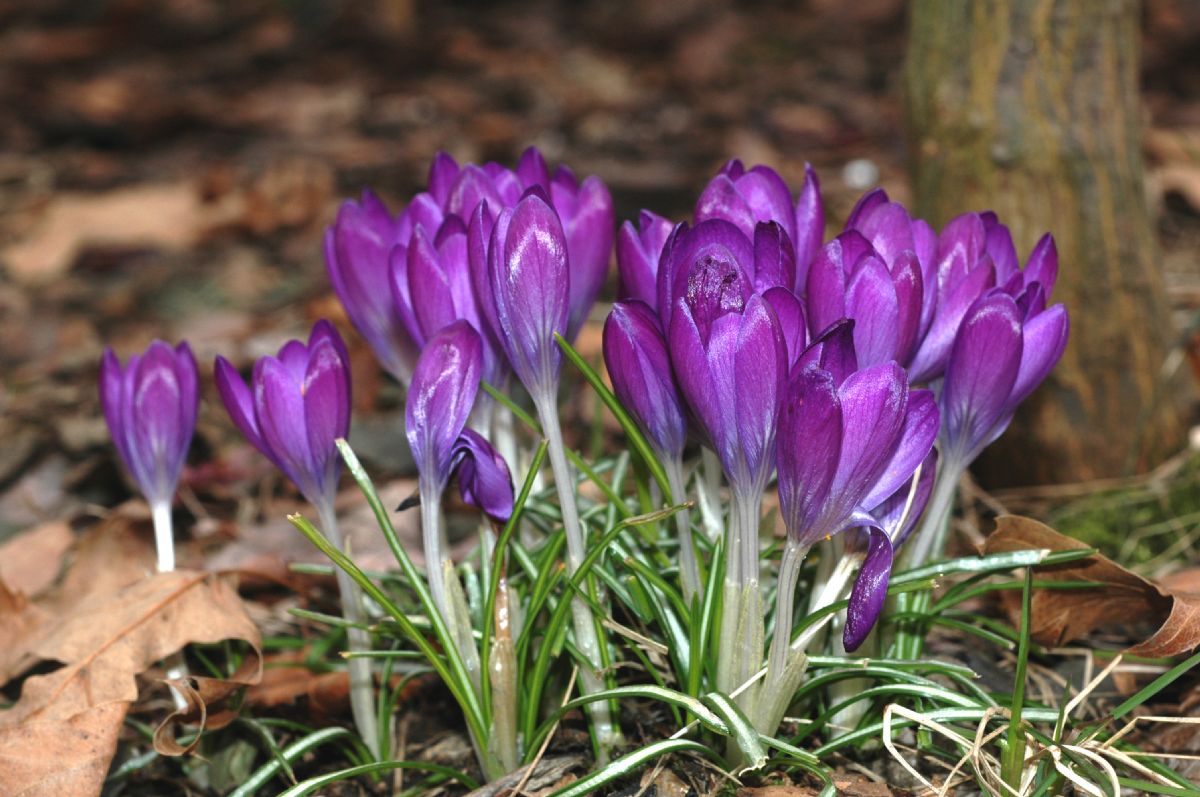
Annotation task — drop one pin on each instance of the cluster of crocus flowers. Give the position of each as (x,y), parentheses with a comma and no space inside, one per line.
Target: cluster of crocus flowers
(863,374)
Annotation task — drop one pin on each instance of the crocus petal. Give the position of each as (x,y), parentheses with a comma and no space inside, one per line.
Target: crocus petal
(889,229)
(960,247)
(111,391)
(357,259)
(1044,341)
(896,515)
(930,359)
(635,354)
(832,351)
(157,434)
(721,199)
(442,174)
(983,367)
(440,398)
(479,232)
(871,301)
(999,246)
(530,284)
(589,232)
(774,258)
(921,423)
(810,440)
(910,289)
(826,290)
(790,313)
(532,169)
(870,590)
(483,477)
(472,187)
(810,225)
(638,253)
(1043,264)
(279,407)
(326,393)
(761,367)
(874,405)
(865,206)
(239,402)
(429,287)
(714,246)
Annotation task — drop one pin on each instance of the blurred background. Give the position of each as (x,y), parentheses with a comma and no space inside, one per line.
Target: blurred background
(167,168)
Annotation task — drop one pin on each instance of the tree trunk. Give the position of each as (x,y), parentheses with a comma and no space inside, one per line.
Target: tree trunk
(1031,108)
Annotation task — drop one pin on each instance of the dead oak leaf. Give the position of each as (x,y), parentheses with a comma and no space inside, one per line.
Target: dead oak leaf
(105,644)
(1058,616)
(55,757)
(30,561)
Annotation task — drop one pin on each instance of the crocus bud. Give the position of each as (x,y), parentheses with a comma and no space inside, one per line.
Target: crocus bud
(527,289)
(635,353)
(444,387)
(295,408)
(150,406)
(358,254)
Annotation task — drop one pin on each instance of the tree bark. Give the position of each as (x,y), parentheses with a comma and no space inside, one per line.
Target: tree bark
(1032,108)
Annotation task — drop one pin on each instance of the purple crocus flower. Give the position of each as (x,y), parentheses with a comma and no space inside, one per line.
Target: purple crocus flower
(358,254)
(850,279)
(845,449)
(585,210)
(747,197)
(150,406)
(731,359)
(635,353)
(1000,354)
(638,253)
(294,409)
(523,284)
(444,387)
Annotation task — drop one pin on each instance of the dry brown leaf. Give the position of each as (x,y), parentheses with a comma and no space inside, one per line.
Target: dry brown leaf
(105,644)
(167,215)
(20,621)
(207,704)
(30,562)
(57,757)
(1059,616)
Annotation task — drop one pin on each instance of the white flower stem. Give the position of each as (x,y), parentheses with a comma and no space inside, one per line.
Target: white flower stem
(708,491)
(164,544)
(590,678)
(929,541)
(432,541)
(362,680)
(688,569)
(164,538)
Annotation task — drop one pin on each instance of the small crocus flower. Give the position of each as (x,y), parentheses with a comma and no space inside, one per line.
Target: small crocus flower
(639,365)
(635,353)
(440,398)
(358,257)
(150,405)
(638,252)
(295,408)
(444,388)
(746,197)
